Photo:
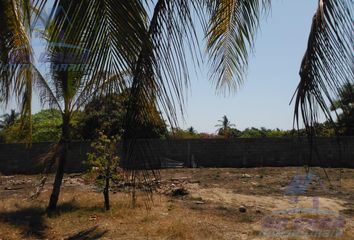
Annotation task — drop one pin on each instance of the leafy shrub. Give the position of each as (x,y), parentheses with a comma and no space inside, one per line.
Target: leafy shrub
(104,162)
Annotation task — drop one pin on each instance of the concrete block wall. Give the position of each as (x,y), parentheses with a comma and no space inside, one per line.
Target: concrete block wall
(250,152)
(18,159)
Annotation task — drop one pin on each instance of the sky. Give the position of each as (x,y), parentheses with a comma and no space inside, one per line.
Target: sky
(263,100)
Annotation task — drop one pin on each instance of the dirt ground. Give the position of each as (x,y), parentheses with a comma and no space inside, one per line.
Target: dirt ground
(257,203)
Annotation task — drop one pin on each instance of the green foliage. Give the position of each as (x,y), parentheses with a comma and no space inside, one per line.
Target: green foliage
(189,133)
(104,160)
(7,120)
(107,114)
(12,134)
(226,128)
(346,123)
(7,126)
(229,133)
(345,102)
(178,133)
(103,114)
(191,130)
(46,127)
(256,133)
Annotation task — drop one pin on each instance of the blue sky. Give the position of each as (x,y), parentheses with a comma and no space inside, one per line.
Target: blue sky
(263,100)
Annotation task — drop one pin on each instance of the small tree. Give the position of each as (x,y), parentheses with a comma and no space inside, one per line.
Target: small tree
(104,162)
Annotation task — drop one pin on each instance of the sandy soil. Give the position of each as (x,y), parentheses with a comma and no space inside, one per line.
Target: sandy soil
(189,204)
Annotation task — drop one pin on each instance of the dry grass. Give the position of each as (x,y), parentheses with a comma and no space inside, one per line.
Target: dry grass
(81,215)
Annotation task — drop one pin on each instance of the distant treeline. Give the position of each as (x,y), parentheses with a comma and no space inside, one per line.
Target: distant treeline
(106,114)
(324,129)
(47,124)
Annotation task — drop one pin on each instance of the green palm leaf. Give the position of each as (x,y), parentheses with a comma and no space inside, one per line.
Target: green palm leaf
(230,33)
(16,59)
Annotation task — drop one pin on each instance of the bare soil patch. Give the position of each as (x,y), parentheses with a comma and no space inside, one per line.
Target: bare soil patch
(257,203)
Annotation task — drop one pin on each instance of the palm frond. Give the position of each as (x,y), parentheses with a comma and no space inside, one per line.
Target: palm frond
(105,87)
(24,91)
(328,63)
(44,88)
(15,48)
(230,33)
(161,70)
(160,76)
(96,40)
(16,56)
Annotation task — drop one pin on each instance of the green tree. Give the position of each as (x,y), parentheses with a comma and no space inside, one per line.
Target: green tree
(225,124)
(252,133)
(107,114)
(104,162)
(277,133)
(91,60)
(226,128)
(46,128)
(345,102)
(191,130)
(47,125)
(178,133)
(10,128)
(233,133)
(104,114)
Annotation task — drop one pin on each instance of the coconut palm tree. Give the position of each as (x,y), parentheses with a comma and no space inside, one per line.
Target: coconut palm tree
(150,38)
(225,124)
(191,130)
(68,94)
(82,62)
(226,128)
(16,57)
(7,120)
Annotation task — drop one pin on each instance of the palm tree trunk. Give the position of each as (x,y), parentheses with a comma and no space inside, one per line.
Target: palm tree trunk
(107,178)
(64,145)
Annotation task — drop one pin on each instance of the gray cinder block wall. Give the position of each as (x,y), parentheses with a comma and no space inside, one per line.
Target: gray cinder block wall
(17,159)
(250,152)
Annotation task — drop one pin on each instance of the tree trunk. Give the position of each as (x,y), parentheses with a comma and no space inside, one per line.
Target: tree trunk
(58,178)
(107,178)
(106,194)
(64,144)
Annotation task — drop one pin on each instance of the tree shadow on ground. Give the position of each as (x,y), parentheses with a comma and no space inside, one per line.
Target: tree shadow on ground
(31,221)
(91,233)
(71,207)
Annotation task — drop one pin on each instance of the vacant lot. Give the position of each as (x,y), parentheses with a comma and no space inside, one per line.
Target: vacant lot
(189,204)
